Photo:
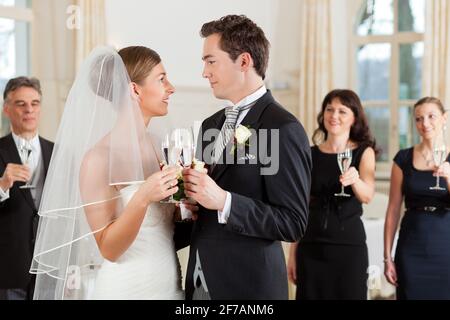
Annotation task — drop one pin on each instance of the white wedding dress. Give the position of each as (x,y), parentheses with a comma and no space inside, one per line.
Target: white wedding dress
(149,269)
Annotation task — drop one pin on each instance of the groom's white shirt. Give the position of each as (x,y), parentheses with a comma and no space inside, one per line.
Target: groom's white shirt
(225,213)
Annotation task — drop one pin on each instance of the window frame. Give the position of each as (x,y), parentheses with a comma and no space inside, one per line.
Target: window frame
(16,13)
(23,15)
(394,103)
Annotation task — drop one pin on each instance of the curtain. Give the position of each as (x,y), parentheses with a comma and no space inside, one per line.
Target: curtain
(92,29)
(436,64)
(64,32)
(316,70)
(52,58)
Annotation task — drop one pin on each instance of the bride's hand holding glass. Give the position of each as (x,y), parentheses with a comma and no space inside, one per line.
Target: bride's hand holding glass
(158,186)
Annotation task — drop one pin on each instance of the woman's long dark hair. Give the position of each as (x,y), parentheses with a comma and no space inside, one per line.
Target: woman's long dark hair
(359,132)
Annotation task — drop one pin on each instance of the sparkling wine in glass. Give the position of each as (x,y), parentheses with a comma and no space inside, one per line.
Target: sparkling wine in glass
(25,150)
(439,157)
(172,149)
(175,148)
(165,159)
(165,143)
(187,154)
(344,160)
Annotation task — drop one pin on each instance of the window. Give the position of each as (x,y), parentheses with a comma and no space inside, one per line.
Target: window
(15,18)
(388,47)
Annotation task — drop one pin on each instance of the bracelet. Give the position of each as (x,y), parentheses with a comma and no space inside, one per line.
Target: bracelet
(388,260)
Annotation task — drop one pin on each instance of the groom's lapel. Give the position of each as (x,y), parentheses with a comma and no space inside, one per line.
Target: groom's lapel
(253,121)
(215,123)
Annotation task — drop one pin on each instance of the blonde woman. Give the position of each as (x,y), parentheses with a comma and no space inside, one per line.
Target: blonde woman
(422,258)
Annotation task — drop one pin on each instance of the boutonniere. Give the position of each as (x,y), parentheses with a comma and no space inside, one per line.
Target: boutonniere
(242,135)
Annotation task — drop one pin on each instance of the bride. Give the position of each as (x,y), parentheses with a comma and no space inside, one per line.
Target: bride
(103,233)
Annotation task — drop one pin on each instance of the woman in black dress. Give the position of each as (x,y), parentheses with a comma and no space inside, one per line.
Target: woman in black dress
(331,260)
(422,259)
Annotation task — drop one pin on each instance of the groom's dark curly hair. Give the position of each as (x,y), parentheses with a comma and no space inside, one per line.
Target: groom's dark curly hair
(239,34)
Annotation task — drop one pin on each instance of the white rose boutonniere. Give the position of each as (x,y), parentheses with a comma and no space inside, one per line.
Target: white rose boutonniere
(241,136)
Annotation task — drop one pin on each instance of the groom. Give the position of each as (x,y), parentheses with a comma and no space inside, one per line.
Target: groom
(247,204)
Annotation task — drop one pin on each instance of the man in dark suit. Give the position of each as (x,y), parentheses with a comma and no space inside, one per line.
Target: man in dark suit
(24,159)
(256,191)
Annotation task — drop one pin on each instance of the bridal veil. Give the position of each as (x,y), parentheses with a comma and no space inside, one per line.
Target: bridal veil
(101,146)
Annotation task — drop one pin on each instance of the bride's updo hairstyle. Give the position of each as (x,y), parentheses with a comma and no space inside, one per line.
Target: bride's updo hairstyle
(139,62)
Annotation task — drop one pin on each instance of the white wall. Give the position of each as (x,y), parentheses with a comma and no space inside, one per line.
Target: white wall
(284,65)
(172,28)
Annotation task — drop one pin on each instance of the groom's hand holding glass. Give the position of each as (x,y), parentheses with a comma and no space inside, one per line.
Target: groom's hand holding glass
(201,188)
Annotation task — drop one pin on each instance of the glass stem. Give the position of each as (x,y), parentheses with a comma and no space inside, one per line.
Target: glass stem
(437,180)
(342,189)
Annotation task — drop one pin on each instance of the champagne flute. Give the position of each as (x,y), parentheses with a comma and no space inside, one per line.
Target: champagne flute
(187,157)
(194,134)
(25,150)
(188,148)
(175,148)
(439,157)
(344,160)
(165,143)
(172,150)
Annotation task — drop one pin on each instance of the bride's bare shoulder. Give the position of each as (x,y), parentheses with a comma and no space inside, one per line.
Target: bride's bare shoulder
(95,161)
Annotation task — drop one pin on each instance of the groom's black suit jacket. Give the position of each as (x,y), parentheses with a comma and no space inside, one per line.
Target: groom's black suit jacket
(243,259)
(18,221)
